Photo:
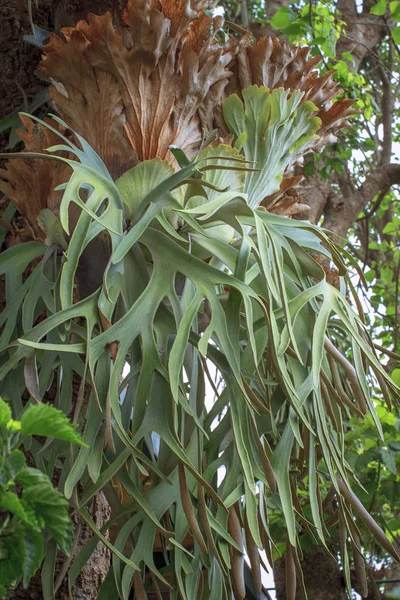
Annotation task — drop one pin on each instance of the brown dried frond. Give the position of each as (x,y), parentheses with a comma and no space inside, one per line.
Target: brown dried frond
(132,97)
(158,81)
(287,201)
(88,99)
(29,182)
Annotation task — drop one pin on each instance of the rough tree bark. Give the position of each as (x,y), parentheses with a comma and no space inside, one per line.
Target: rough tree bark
(322,578)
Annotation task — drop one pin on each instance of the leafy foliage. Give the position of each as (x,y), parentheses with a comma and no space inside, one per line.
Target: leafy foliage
(29,505)
(200,275)
(270,358)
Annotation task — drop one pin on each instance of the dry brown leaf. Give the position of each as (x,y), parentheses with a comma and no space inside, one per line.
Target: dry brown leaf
(286,192)
(88,99)
(162,77)
(157,82)
(29,182)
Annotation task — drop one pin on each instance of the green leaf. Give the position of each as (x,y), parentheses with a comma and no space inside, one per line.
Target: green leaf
(48,570)
(85,515)
(396,376)
(395,10)
(135,184)
(388,457)
(9,501)
(379,8)
(348,56)
(15,462)
(280,462)
(5,412)
(222,178)
(16,259)
(52,227)
(11,558)
(10,466)
(47,503)
(396,34)
(370,275)
(390,228)
(387,275)
(33,546)
(281,18)
(45,419)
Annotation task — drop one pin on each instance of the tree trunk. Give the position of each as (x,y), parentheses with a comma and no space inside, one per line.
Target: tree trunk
(322,577)
(67,14)
(18,59)
(88,583)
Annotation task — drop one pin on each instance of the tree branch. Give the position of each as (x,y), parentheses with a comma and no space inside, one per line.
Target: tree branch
(338,220)
(364,32)
(244,14)
(387,109)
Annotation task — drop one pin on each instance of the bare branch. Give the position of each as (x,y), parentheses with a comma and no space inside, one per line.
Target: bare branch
(387,109)
(339,220)
(244,13)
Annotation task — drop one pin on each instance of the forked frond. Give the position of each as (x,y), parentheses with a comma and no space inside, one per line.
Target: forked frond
(193,273)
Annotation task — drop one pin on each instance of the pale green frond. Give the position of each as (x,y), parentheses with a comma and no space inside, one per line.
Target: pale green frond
(279,127)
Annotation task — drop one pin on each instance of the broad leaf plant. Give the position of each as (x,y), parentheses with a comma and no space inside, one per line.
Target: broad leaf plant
(158,254)
(30,508)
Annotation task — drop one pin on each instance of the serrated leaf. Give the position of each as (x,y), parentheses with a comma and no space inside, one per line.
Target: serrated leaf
(47,503)
(33,546)
(11,559)
(10,502)
(14,463)
(46,420)
(51,506)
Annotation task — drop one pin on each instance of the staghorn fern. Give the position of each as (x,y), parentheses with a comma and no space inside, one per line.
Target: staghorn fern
(199,271)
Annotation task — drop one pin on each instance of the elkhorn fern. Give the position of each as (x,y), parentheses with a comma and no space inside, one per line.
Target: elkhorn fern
(184,151)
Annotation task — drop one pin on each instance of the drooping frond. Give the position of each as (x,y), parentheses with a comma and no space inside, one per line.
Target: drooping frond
(198,274)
